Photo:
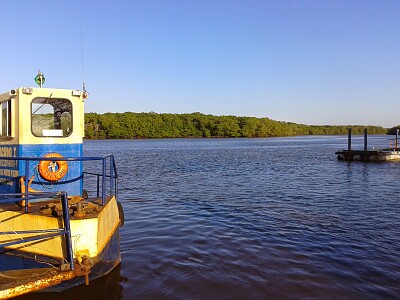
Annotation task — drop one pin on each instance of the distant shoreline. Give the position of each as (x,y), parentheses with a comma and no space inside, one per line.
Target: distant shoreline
(220,137)
(131,125)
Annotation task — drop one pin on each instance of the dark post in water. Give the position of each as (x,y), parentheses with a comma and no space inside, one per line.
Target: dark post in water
(397,135)
(349,146)
(365,144)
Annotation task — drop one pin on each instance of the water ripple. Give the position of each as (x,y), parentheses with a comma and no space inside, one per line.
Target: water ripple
(256,218)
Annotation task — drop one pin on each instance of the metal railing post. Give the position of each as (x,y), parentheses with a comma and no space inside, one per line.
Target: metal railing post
(116,187)
(98,186)
(111,174)
(26,183)
(103,183)
(67,228)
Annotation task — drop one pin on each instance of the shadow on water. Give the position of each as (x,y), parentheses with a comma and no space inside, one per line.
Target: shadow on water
(106,287)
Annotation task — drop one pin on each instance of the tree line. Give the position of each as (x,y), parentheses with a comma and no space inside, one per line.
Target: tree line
(130,125)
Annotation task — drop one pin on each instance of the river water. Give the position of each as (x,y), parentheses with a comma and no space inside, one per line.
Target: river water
(268,218)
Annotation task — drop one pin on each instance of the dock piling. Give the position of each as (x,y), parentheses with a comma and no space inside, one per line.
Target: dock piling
(349,145)
(365,158)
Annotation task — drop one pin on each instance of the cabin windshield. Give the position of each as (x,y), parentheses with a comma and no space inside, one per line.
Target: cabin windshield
(51,117)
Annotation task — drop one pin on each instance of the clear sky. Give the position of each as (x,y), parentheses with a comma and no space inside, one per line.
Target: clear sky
(309,62)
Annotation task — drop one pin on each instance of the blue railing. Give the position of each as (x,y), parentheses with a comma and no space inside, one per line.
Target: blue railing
(101,176)
(47,233)
(101,191)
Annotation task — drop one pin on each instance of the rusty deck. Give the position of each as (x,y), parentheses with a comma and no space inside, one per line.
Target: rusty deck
(36,207)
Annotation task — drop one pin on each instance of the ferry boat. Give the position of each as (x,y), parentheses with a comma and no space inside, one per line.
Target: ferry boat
(59,211)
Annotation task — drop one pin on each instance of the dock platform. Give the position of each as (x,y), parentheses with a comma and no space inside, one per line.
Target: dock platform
(376,155)
(369,155)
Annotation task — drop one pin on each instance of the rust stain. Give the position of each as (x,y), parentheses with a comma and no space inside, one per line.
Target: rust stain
(35,285)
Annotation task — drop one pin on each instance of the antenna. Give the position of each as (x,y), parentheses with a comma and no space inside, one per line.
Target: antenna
(83,68)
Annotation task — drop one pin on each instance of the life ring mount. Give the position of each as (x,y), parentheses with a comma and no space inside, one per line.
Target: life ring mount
(53,170)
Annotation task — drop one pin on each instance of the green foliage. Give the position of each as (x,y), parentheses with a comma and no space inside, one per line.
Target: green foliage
(392,131)
(131,125)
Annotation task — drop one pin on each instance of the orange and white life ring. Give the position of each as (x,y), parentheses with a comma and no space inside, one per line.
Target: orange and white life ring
(53,170)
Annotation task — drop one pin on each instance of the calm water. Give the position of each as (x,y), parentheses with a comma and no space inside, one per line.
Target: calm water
(255,219)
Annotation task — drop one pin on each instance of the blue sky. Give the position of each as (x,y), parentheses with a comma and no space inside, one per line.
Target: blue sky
(310,62)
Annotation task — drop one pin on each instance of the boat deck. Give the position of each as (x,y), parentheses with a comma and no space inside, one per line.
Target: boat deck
(52,207)
(95,225)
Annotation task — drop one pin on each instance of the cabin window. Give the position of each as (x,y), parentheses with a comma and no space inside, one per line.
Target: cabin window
(51,117)
(5,129)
